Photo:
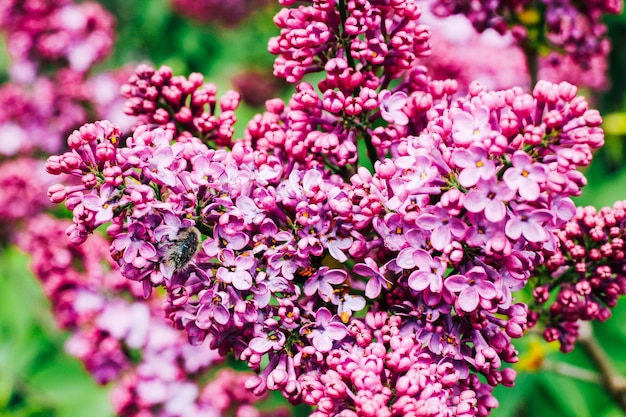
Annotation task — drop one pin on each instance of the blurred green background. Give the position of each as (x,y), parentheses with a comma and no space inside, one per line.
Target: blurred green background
(38,379)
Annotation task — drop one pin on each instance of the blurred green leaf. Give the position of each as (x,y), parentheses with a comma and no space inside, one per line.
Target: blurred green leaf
(36,377)
(564,393)
(512,399)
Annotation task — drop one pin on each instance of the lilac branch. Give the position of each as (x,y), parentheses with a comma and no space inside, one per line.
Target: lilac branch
(613,383)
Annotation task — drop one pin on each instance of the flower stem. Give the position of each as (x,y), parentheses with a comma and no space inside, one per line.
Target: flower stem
(613,383)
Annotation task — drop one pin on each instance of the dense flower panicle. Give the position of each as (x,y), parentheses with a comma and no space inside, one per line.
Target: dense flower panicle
(586,274)
(180,105)
(37,116)
(350,42)
(258,286)
(383,368)
(94,304)
(21,197)
(364,292)
(57,32)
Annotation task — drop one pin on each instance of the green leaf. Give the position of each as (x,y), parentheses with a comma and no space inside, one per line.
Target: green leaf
(512,399)
(565,394)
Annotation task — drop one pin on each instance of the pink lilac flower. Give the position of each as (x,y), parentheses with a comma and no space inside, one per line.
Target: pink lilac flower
(475,165)
(490,198)
(471,127)
(323,331)
(235,270)
(296,229)
(444,227)
(376,281)
(321,282)
(529,223)
(525,177)
(472,287)
(391,106)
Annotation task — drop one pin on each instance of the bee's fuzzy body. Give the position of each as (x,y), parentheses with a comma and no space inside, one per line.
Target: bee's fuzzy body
(183,248)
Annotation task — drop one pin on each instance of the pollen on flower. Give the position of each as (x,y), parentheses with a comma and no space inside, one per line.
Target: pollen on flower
(345,316)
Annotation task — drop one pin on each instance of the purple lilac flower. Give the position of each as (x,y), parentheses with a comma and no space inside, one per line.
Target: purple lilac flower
(377,280)
(470,127)
(391,106)
(236,269)
(324,330)
(321,281)
(472,287)
(528,222)
(490,198)
(525,177)
(444,227)
(475,164)
(134,246)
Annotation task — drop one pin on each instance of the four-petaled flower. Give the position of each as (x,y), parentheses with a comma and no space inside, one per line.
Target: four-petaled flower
(475,164)
(472,287)
(235,270)
(321,281)
(525,177)
(377,280)
(103,204)
(391,106)
(489,197)
(324,330)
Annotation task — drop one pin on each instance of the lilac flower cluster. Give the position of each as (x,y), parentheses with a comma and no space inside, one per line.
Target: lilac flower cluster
(21,196)
(38,111)
(38,116)
(180,105)
(57,32)
(584,279)
(155,371)
(386,356)
(449,227)
(575,29)
(356,42)
(382,292)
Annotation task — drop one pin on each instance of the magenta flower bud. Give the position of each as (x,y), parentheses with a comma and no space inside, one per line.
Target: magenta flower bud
(276,106)
(89,180)
(567,91)
(113,175)
(385,168)
(56,193)
(54,165)
(161,116)
(74,140)
(184,115)
(148,106)
(230,101)
(105,151)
